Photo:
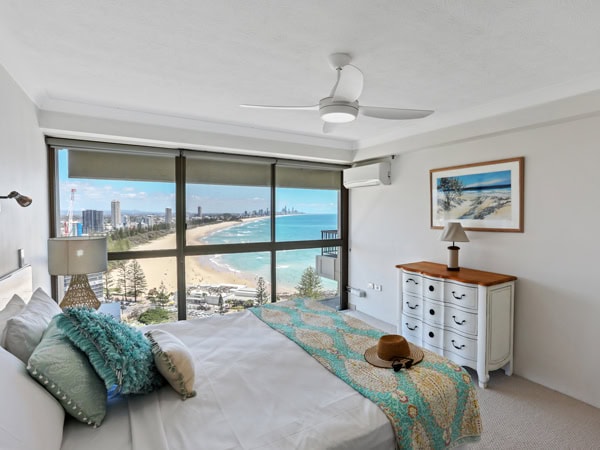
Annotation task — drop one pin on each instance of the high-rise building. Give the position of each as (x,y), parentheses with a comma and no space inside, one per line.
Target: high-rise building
(115,214)
(168,216)
(93,221)
(200,211)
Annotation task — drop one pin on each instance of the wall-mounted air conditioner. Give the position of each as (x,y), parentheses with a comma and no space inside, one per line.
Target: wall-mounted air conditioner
(367,175)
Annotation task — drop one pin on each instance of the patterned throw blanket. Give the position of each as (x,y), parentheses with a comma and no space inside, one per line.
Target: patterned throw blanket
(432,405)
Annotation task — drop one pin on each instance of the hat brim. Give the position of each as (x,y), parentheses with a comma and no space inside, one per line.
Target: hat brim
(416,354)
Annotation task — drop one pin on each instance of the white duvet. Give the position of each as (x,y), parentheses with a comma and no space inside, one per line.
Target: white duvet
(256,390)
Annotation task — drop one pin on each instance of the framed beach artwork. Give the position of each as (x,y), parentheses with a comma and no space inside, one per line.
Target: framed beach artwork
(485,196)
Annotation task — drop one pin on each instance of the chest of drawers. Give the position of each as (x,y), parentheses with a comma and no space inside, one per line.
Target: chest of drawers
(465,315)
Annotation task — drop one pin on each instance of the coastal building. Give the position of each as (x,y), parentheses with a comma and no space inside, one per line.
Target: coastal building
(115,214)
(92,221)
(168,216)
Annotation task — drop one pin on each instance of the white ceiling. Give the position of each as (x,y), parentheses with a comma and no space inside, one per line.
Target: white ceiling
(196,61)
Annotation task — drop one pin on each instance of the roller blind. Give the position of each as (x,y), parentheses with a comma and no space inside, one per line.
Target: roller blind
(97,160)
(115,166)
(307,178)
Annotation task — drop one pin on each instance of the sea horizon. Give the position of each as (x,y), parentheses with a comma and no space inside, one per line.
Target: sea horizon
(290,264)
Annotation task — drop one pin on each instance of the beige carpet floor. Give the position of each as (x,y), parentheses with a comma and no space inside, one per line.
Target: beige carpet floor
(519,414)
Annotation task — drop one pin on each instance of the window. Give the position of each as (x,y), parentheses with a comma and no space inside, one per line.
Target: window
(206,233)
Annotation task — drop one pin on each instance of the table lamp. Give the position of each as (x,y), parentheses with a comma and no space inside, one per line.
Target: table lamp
(453,232)
(78,256)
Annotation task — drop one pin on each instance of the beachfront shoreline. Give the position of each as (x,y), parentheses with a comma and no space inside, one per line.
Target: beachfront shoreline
(207,273)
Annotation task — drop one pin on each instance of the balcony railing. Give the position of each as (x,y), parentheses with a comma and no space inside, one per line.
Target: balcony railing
(329,251)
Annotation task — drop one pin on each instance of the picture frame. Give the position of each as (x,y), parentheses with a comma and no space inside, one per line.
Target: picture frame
(485,196)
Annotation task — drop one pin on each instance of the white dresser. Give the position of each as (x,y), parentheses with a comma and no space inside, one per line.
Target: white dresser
(465,315)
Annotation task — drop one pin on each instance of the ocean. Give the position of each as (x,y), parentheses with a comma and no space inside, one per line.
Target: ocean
(290,263)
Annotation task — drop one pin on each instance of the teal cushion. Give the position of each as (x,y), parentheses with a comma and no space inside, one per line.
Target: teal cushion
(121,355)
(68,375)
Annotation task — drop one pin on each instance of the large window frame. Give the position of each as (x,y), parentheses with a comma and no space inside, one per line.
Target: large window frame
(182,250)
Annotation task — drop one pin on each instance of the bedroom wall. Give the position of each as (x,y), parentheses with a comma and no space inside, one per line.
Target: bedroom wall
(23,169)
(557,304)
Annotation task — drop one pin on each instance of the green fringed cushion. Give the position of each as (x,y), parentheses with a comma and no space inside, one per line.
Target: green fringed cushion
(174,361)
(120,354)
(65,372)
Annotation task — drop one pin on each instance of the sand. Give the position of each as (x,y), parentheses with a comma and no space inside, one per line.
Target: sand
(199,269)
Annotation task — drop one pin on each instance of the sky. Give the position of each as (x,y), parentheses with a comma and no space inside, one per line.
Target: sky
(499,178)
(156,196)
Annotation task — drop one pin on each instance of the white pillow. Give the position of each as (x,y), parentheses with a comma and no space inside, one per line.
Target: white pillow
(30,418)
(24,331)
(12,308)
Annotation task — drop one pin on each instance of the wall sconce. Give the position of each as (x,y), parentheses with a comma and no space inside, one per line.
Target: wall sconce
(78,256)
(453,232)
(22,200)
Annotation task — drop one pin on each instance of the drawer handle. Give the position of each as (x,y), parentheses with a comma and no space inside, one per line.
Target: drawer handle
(411,329)
(457,322)
(431,334)
(457,347)
(458,298)
(411,307)
(431,289)
(413,280)
(432,312)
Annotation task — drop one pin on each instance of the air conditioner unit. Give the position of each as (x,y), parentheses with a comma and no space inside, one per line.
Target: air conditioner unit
(368,175)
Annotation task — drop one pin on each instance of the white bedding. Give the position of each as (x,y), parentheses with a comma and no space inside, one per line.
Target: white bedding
(256,390)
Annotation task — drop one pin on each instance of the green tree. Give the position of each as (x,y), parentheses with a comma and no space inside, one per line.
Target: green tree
(137,280)
(262,295)
(109,281)
(452,189)
(121,278)
(310,284)
(159,297)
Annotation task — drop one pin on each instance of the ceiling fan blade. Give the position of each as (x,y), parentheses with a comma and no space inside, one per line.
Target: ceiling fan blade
(349,85)
(393,113)
(304,108)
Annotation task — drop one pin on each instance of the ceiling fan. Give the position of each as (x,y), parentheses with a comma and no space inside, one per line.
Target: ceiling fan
(341,106)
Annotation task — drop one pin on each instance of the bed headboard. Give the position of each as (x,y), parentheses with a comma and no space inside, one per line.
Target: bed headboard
(18,282)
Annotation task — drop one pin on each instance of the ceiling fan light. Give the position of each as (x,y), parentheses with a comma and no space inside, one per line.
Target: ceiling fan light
(338,112)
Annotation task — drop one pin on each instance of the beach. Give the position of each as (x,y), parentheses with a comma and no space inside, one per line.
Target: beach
(199,269)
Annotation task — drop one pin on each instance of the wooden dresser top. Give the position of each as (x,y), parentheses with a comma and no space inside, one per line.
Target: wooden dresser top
(464,275)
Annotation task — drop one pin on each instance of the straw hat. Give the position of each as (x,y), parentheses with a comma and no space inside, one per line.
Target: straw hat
(394,352)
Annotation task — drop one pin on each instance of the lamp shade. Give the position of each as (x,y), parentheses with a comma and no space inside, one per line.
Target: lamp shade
(454,232)
(77,255)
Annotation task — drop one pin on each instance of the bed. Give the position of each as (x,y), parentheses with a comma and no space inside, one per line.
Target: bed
(257,388)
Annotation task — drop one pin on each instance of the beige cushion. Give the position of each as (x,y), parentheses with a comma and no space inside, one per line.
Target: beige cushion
(12,308)
(24,331)
(174,361)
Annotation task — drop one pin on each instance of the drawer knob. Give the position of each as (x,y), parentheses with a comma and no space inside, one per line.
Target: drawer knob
(413,280)
(431,288)
(431,334)
(459,297)
(432,312)
(411,307)
(458,347)
(457,322)
(411,329)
